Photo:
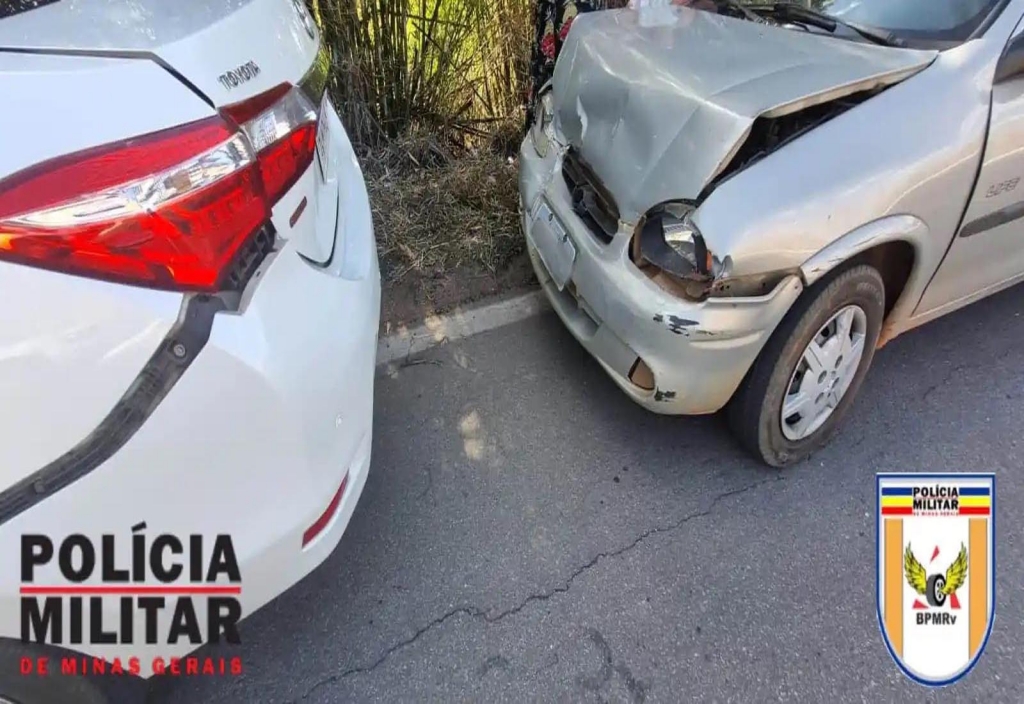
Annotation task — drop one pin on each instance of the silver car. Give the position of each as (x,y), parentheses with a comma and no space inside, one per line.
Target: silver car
(735,207)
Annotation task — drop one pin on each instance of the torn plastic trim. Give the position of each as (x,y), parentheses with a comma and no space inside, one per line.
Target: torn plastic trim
(173,356)
(165,367)
(752,285)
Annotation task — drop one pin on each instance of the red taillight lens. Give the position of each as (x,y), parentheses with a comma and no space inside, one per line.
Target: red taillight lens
(167,210)
(281,126)
(283,162)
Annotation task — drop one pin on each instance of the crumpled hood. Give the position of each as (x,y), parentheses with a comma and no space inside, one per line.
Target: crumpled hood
(657,101)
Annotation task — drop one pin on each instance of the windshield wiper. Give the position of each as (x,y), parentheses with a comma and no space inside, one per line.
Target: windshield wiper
(823,20)
(738,7)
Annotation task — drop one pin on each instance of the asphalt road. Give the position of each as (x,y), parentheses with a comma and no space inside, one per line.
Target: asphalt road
(528,533)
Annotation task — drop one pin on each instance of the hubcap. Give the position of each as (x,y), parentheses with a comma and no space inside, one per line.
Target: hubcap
(824,373)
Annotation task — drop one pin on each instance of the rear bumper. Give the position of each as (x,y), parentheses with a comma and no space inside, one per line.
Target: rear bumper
(253,441)
(698,352)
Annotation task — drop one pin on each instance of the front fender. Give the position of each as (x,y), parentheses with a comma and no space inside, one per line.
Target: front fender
(892,228)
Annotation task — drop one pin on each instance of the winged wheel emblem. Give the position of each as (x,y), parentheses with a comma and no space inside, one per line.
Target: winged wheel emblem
(937,587)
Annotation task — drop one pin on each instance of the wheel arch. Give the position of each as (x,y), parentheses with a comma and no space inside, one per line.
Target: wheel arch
(892,245)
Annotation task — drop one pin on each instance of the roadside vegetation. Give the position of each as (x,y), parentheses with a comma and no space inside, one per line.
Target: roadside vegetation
(432,94)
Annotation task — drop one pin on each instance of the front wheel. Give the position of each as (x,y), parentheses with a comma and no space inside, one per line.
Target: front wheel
(808,374)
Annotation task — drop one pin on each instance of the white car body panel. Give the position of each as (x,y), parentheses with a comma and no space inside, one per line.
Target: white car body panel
(259,432)
(77,102)
(64,325)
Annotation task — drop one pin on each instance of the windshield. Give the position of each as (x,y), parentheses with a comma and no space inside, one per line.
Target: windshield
(929,20)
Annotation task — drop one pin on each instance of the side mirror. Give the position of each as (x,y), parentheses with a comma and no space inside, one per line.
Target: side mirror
(1011,63)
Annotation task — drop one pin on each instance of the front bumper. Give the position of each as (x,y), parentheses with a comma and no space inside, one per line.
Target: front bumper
(698,352)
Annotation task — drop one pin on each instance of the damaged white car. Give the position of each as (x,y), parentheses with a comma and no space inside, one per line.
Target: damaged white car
(733,208)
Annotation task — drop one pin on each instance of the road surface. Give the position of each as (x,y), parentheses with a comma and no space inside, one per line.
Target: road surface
(527,533)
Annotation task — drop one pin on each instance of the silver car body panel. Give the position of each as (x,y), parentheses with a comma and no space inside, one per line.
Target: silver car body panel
(820,191)
(698,351)
(912,164)
(659,108)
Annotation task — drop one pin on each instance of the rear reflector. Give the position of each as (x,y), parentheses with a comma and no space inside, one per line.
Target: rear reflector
(166,210)
(325,518)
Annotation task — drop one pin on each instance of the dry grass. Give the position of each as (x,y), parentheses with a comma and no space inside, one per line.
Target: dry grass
(431,93)
(436,213)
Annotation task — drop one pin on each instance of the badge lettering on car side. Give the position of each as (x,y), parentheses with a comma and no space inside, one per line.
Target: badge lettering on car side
(1002,187)
(237,76)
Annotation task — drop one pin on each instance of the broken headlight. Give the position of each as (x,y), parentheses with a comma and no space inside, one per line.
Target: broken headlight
(670,240)
(670,248)
(543,131)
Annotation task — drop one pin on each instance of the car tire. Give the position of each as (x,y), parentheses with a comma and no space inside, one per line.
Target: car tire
(755,411)
(52,688)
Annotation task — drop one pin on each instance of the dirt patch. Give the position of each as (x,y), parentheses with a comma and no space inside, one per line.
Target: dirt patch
(447,228)
(412,298)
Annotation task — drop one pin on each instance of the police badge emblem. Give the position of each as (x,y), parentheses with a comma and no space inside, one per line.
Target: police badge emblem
(936,571)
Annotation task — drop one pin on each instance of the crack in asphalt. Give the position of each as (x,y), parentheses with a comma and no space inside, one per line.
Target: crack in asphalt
(488,617)
(962,366)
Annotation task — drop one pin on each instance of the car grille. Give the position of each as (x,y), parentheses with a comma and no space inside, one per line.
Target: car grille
(590,200)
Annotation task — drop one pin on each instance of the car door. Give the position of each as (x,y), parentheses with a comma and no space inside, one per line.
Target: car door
(987,253)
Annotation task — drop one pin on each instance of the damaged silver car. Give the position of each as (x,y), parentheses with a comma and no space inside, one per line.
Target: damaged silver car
(735,207)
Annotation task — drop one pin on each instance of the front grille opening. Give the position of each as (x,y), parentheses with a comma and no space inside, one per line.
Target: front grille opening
(590,200)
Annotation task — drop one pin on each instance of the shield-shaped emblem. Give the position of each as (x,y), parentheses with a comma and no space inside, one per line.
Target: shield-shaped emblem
(936,571)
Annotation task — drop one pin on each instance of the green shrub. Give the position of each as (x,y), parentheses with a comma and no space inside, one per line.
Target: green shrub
(456,68)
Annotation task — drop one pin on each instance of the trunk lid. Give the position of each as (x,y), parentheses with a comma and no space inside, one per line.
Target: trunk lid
(227,51)
(658,100)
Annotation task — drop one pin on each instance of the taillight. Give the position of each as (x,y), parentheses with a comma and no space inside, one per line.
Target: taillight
(167,210)
(281,126)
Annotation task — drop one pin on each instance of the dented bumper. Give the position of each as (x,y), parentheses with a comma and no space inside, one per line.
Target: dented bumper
(697,353)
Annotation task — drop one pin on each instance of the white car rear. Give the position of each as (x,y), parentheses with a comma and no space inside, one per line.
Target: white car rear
(189,291)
